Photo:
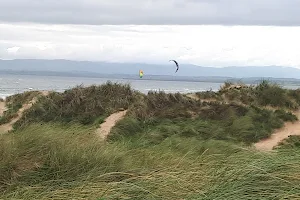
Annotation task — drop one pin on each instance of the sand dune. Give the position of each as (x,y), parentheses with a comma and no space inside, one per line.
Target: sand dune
(4,128)
(110,122)
(279,135)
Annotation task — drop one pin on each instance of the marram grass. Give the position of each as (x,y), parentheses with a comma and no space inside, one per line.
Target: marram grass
(168,146)
(51,161)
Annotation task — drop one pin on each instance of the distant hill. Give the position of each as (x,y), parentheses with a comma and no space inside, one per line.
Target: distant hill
(88,68)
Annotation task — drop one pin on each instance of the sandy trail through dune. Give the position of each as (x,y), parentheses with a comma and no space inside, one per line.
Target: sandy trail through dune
(4,128)
(109,123)
(9,126)
(279,135)
(2,108)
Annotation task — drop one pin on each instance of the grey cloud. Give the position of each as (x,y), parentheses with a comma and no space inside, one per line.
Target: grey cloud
(98,12)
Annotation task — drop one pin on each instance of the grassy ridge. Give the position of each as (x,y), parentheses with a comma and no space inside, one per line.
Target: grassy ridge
(166,114)
(248,128)
(264,94)
(162,115)
(14,103)
(80,104)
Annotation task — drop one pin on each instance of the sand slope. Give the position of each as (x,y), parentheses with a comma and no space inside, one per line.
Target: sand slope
(4,128)
(105,128)
(2,108)
(279,135)
(8,126)
(110,122)
(103,131)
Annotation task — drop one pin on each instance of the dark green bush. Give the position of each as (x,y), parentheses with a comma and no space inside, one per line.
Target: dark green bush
(163,105)
(222,122)
(293,141)
(286,116)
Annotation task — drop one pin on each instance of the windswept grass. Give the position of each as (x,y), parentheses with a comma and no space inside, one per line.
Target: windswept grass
(293,141)
(273,95)
(14,103)
(163,105)
(157,115)
(222,122)
(209,95)
(160,115)
(80,104)
(22,98)
(89,104)
(59,162)
(168,146)
(263,94)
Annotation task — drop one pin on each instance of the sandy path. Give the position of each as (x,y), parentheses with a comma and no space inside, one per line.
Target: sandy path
(9,126)
(4,128)
(2,108)
(279,135)
(193,96)
(110,122)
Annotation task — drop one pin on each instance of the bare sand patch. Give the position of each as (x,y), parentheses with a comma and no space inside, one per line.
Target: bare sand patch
(4,128)
(109,123)
(290,128)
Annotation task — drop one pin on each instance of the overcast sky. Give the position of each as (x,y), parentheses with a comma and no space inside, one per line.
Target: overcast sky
(232,12)
(73,29)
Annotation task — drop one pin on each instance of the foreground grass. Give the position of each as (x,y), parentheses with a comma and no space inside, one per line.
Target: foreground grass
(68,162)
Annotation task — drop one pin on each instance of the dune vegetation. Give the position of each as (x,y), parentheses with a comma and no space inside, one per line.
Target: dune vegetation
(168,146)
(263,94)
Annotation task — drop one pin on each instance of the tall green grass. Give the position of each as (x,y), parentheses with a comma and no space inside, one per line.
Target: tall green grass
(164,105)
(86,105)
(80,104)
(167,147)
(292,142)
(212,121)
(59,162)
(14,103)
(265,93)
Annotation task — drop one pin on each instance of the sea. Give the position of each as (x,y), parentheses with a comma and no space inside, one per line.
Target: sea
(13,84)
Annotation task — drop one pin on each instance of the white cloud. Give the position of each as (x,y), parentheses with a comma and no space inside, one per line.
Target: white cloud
(13,50)
(209,45)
